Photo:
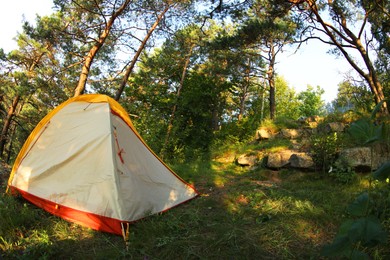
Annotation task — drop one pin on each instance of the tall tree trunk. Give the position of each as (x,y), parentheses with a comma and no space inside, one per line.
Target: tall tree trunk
(129,70)
(7,123)
(262,102)
(172,117)
(244,92)
(271,81)
(215,119)
(95,49)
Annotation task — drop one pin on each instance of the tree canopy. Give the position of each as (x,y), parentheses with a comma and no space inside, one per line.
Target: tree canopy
(189,71)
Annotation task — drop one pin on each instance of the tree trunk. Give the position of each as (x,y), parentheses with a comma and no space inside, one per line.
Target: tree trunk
(215,119)
(262,103)
(245,90)
(7,123)
(271,82)
(129,70)
(95,49)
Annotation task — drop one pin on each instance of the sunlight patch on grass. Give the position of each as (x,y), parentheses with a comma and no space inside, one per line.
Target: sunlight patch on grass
(278,149)
(219,181)
(307,230)
(304,206)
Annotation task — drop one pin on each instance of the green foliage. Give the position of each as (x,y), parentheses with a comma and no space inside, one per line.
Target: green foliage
(238,130)
(342,172)
(365,132)
(284,122)
(324,148)
(279,123)
(311,103)
(287,102)
(15,216)
(344,117)
(370,210)
(383,173)
(364,230)
(352,97)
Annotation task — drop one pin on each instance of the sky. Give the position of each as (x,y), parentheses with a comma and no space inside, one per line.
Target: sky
(311,65)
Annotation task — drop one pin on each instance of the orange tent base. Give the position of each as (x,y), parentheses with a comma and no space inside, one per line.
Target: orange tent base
(86,219)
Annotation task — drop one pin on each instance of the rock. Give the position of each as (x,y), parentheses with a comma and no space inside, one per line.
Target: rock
(247,160)
(312,124)
(314,119)
(307,120)
(357,156)
(291,159)
(301,160)
(290,133)
(333,127)
(360,157)
(263,134)
(279,159)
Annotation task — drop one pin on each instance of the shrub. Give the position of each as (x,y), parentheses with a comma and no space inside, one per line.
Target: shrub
(324,148)
(342,172)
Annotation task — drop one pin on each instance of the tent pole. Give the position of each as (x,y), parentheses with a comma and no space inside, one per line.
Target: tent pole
(125,234)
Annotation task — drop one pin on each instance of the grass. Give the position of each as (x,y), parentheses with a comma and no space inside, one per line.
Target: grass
(241,214)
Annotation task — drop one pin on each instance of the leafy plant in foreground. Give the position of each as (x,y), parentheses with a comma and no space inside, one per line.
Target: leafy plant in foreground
(364,230)
(369,209)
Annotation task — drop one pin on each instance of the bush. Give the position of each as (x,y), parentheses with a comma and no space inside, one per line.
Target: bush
(325,148)
(342,172)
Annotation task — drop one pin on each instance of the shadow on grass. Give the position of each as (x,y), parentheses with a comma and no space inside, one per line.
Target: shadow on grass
(268,214)
(241,214)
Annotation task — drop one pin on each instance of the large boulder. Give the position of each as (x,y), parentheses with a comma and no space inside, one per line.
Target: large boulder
(290,159)
(357,157)
(290,133)
(263,134)
(364,158)
(332,127)
(301,161)
(279,159)
(247,160)
(311,121)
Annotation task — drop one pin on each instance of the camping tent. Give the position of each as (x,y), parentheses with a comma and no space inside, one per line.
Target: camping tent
(86,163)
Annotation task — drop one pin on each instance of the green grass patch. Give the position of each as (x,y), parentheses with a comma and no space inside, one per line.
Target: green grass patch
(243,214)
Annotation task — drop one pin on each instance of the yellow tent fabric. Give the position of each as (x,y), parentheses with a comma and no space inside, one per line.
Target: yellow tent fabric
(85,162)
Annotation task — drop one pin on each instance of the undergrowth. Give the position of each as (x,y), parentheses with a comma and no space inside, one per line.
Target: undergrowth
(243,214)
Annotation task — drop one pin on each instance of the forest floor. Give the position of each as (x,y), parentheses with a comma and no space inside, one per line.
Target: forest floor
(240,214)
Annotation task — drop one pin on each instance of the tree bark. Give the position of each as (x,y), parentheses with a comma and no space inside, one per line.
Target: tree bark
(95,49)
(244,91)
(129,70)
(271,81)
(7,122)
